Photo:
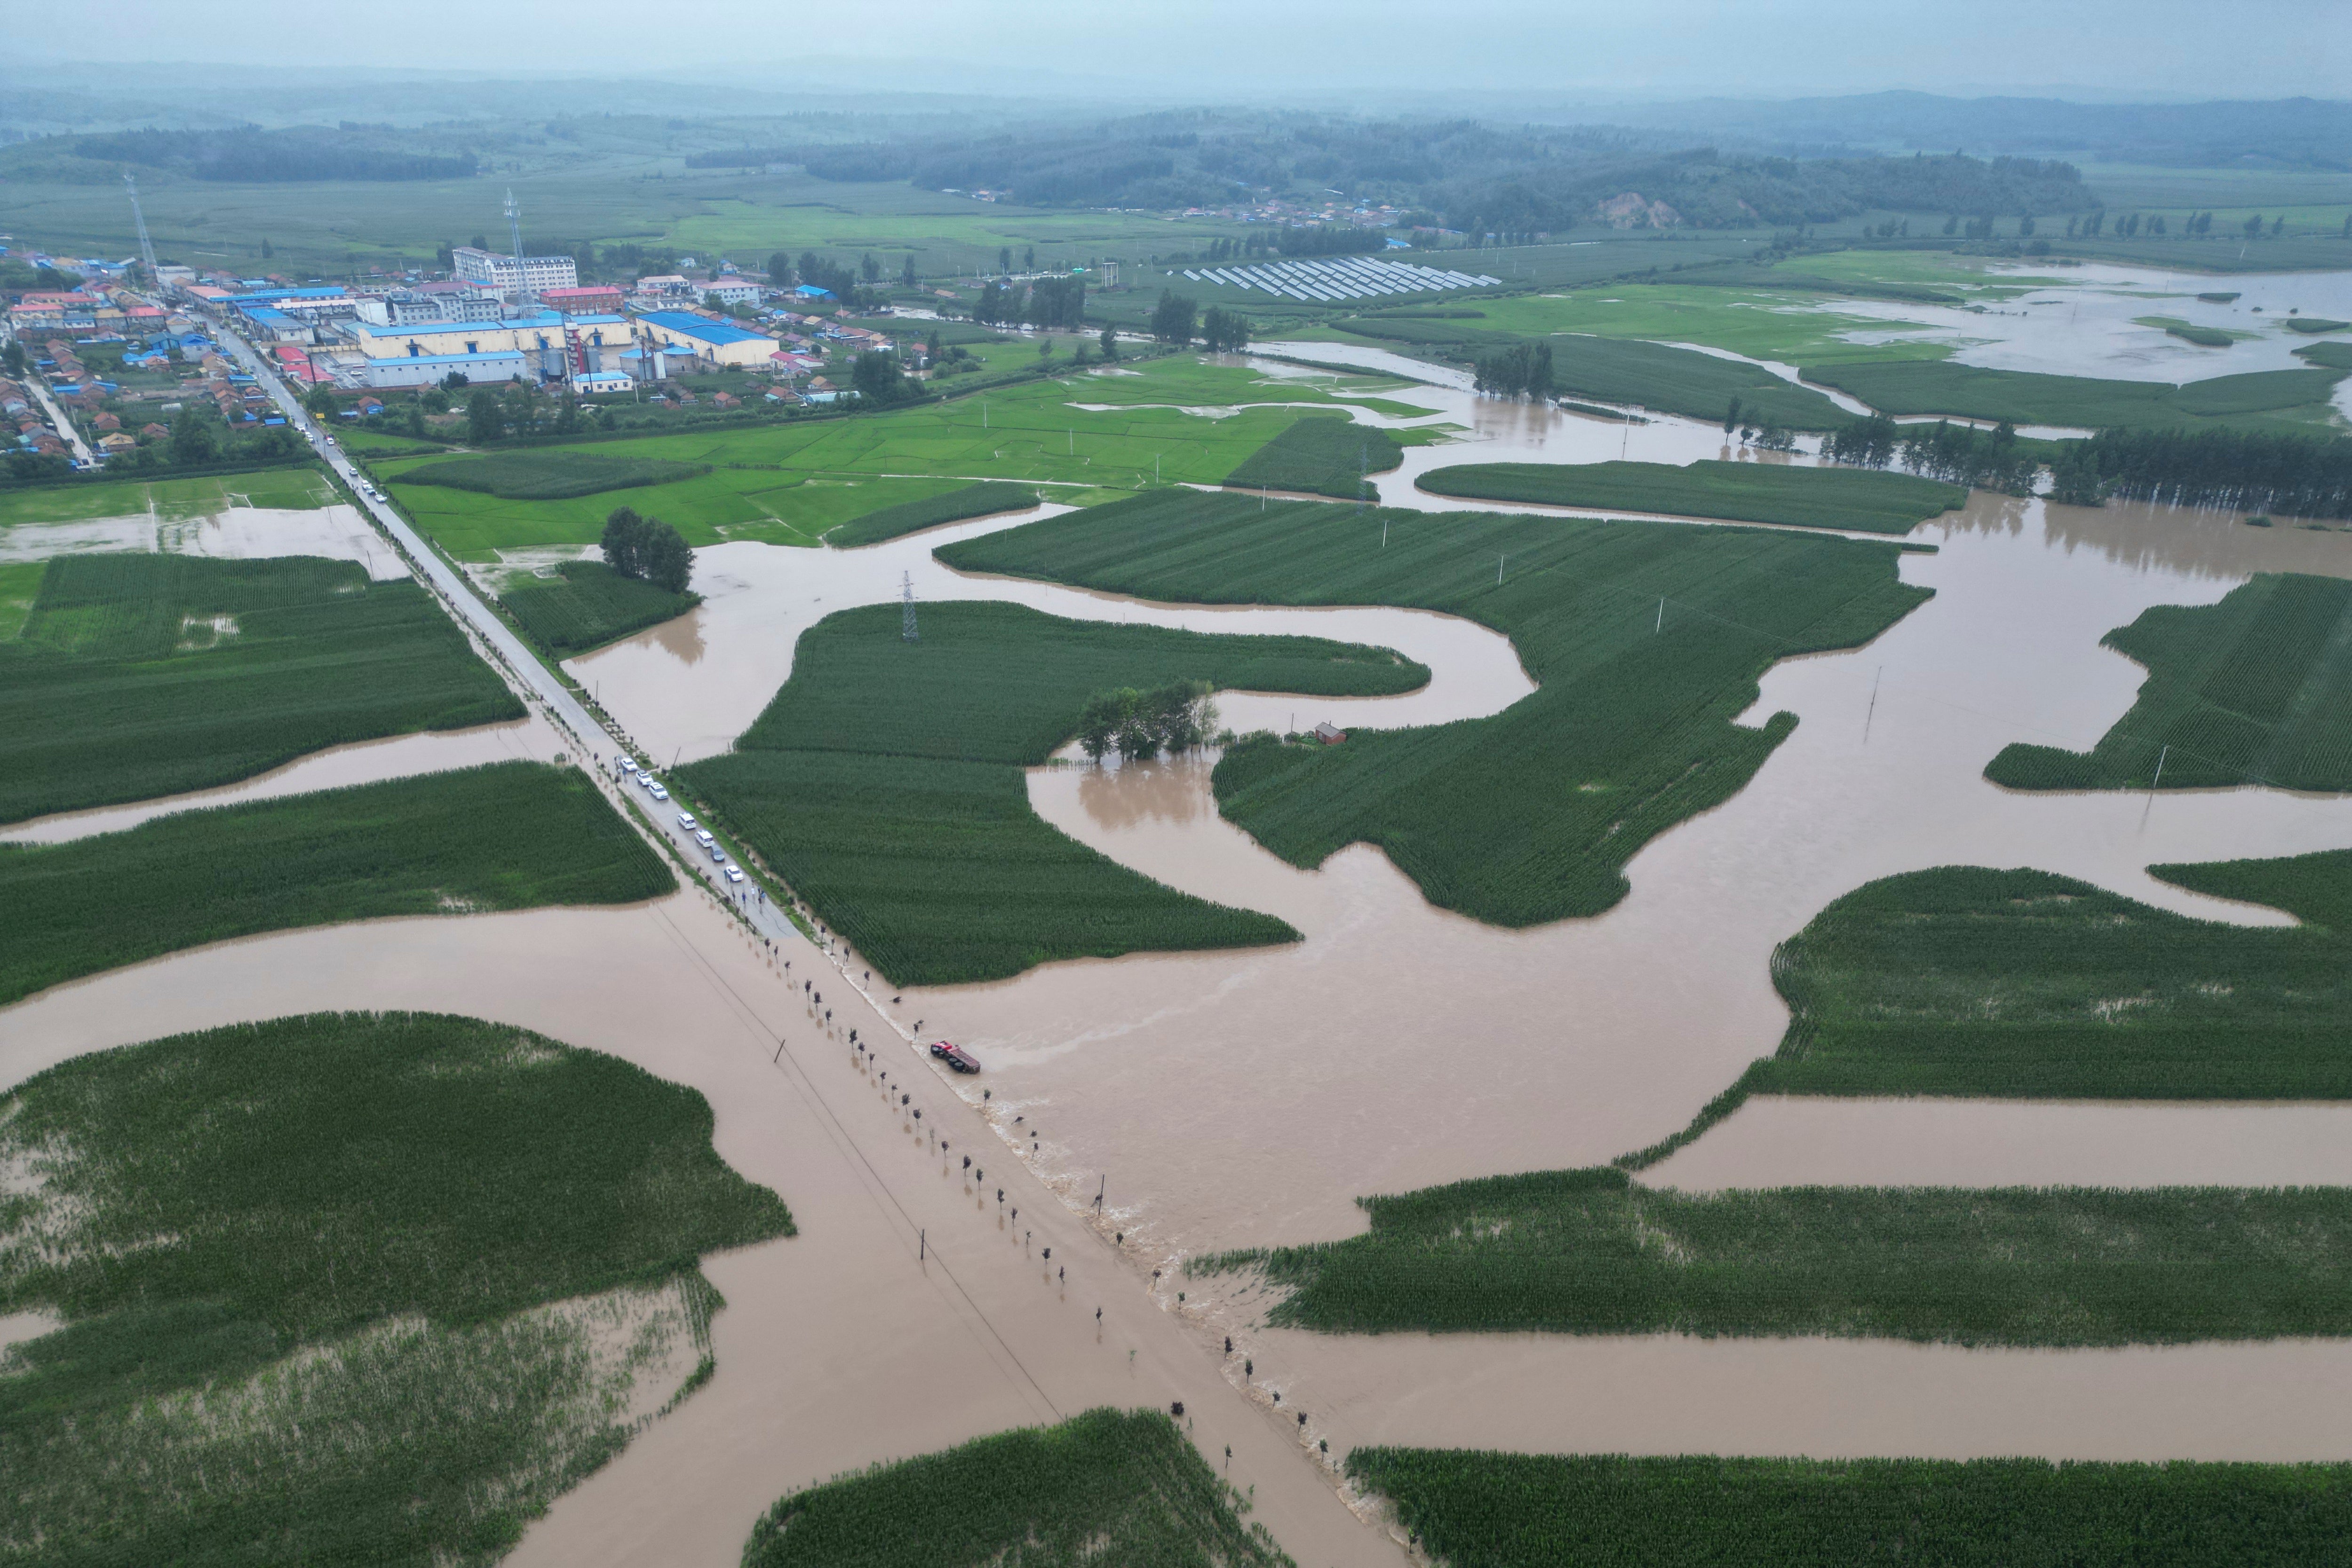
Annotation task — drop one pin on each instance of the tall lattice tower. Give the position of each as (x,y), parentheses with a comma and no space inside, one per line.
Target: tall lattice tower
(906,608)
(522,274)
(146,246)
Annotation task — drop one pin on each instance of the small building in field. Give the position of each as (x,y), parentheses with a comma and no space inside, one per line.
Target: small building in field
(1329,734)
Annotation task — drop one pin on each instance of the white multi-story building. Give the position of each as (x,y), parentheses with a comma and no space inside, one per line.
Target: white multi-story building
(506,275)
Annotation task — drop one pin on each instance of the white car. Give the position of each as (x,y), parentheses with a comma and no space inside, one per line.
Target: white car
(660,793)
(734,873)
(686,820)
(702,837)
(628,766)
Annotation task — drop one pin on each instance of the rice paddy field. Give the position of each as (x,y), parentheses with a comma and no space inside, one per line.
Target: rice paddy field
(2256,689)
(791,483)
(139,676)
(1109,1486)
(587,605)
(1646,639)
(1592,1252)
(2023,984)
(1484,1510)
(884,782)
(505,837)
(367,1288)
(1865,500)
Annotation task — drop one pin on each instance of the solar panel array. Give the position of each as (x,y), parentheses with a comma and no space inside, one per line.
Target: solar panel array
(1339,277)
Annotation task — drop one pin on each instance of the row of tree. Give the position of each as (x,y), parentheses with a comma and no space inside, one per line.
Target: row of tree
(1176,717)
(647,549)
(2300,476)
(1958,454)
(1042,302)
(1521,370)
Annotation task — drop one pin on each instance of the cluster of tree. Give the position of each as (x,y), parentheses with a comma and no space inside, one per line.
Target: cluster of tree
(2298,476)
(518,408)
(1521,370)
(1956,454)
(17,275)
(1766,435)
(1176,717)
(1172,319)
(1224,332)
(647,548)
(1330,239)
(252,155)
(1042,302)
(879,380)
(824,272)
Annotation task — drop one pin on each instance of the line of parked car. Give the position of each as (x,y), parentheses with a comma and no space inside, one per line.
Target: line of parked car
(653,786)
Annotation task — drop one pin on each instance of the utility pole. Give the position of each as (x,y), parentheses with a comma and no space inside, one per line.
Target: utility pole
(146,246)
(907,630)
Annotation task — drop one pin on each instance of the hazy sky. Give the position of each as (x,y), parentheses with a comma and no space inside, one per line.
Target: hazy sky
(2161,48)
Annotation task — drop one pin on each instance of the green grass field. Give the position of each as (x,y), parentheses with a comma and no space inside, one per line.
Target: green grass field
(508,836)
(309,1269)
(1646,639)
(1476,1509)
(1589,1252)
(912,517)
(587,605)
(2284,402)
(2255,690)
(2023,984)
(1791,318)
(791,483)
(1320,456)
(550,475)
(140,676)
(1108,1486)
(293,488)
(1860,500)
(884,782)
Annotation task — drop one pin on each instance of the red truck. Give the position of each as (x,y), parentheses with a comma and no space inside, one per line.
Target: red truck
(954,1055)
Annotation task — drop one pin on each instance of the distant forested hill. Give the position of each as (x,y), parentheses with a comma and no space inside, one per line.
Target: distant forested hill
(255,156)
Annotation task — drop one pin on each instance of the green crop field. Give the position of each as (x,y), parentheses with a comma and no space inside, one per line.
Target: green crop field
(293,488)
(587,605)
(2187,332)
(20,584)
(2023,984)
(912,517)
(1474,1510)
(2328,356)
(1646,639)
(2284,402)
(2315,324)
(1591,1252)
(337,1289)
(1862,500)
(363,442)
(1791,318)
(140,676)
(508,836)
(2255,690)
(1108,1487)
(1320,456)
(790,483)
(884,782)
(550,475)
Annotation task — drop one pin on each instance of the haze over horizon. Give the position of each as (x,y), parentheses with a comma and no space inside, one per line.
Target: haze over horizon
(2102,49)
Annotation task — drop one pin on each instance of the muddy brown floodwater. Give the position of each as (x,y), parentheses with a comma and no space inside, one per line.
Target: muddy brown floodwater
(236,533)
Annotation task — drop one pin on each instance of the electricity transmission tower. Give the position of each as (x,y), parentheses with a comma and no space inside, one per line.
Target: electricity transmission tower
(146,246)
(523,276)
(906,608)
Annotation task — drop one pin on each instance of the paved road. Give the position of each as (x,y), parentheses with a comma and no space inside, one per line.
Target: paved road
(72,437)
(541,686)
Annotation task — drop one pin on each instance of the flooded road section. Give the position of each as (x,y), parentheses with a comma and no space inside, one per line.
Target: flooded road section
(1235,1100)
(365,761)
(837,1347)
(239,533)
(685,690)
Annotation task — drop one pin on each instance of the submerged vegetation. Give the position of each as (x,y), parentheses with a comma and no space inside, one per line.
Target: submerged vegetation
(911,517)
(509,835)
(2023,984)
(310,1270)
(2256,689)
(1591,1252)
(1853,498)
(587,605)
(884,782)
(2262,399)
(1475,1509)
(1320,456)
(1646,639)
(1109,1486)
(140,676)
